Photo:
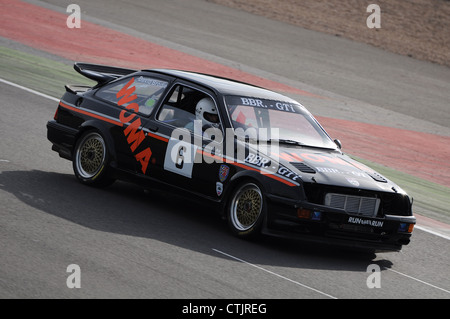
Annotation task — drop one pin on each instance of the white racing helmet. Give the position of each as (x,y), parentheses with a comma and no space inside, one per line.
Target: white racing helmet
(206,111)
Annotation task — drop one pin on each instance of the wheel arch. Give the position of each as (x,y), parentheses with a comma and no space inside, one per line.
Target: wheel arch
(235,190)
(103,129)
(240,178)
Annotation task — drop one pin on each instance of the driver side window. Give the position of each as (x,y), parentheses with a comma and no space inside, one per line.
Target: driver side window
(181,107)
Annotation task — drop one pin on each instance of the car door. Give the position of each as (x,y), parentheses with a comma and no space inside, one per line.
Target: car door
(184,165)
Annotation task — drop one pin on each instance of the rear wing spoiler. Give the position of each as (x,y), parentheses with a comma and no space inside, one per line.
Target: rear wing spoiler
(101,73)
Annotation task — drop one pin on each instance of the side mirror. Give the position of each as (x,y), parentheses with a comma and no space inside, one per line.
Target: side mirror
(338,143)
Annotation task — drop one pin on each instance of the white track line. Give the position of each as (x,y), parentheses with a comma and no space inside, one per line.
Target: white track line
(432,232)
(29,90)
(318,291)
(421,281)
(273,273)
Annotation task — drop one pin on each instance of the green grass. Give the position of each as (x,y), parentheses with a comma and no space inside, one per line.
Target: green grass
(430,199)
(37,73)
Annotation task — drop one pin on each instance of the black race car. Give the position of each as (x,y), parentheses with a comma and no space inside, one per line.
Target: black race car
(260,157)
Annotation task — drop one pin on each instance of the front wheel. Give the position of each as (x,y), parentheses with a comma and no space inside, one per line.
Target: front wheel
(90,160)
(246,210)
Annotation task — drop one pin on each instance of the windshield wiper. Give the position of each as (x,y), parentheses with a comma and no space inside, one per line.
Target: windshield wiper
(296,143)
(286,141)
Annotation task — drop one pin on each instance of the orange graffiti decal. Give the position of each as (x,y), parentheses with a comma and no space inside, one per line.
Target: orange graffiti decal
(125,93)
(285,156)
(126,119)
(134,135)
(143,158)
(313,157)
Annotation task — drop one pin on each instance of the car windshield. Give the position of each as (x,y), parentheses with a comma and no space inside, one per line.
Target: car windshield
(293,124)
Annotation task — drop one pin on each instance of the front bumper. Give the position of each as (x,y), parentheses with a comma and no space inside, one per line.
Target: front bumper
(323,224)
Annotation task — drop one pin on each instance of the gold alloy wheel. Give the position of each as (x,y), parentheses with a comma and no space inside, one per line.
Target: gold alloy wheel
(246,207)
(90,155)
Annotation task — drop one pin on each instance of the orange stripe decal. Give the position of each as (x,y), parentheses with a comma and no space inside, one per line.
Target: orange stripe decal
(164,139)
(90,114)
(247,167)
(161,138)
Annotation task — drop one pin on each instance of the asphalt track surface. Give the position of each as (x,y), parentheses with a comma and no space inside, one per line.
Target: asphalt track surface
(134,244)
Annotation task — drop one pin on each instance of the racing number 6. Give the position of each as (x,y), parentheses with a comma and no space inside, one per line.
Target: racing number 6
(180,157)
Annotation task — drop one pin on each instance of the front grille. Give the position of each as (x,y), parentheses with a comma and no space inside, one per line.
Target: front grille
(390,203)
(366,206)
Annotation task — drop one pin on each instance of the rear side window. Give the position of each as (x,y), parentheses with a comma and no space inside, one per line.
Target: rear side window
(148,91)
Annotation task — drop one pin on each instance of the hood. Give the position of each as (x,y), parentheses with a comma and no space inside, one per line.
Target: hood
(333,168)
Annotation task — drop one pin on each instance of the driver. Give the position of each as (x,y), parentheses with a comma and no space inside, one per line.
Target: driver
(205,111)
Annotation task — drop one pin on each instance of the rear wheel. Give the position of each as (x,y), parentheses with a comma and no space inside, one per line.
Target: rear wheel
(246,210)
(90,160)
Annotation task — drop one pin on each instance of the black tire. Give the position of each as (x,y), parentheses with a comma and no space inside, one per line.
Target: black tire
(91,160)
(246,210)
